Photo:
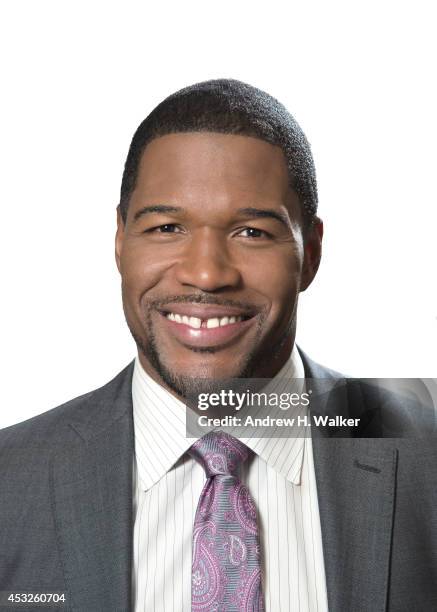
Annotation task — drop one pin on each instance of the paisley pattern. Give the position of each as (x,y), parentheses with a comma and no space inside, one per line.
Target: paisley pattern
(237,550)
(208,502)
(207,579)
(244,508)
(217,463)
(250,596)
(226,575)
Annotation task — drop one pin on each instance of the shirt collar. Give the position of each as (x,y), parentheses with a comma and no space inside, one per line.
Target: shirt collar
(285,455)
(160,429)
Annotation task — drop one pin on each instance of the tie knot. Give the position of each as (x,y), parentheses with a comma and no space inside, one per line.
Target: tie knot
(219,453)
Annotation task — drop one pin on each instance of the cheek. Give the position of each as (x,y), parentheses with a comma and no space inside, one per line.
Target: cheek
(140,270)
(277,277)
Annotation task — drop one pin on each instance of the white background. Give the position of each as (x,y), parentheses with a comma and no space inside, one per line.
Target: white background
(77,78)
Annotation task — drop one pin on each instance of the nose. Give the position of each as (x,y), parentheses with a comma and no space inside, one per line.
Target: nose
(206,263)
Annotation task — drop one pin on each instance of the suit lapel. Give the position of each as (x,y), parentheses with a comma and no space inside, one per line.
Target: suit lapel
(356,487)
(92,499)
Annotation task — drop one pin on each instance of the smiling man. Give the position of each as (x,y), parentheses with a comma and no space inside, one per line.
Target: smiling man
(106,503)
(213,253)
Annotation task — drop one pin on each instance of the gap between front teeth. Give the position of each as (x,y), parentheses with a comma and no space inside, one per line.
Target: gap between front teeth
(196,323)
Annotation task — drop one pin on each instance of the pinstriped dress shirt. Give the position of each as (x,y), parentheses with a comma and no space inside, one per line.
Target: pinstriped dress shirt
(167,486)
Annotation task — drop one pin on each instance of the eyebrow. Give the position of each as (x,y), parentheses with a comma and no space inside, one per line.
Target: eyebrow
(266,213)
(157,208)
(258,213)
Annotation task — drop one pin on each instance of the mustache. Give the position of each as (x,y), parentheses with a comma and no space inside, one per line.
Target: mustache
(196,298)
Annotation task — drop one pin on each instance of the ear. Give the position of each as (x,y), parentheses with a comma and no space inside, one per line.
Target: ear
(119,237)
(312,253)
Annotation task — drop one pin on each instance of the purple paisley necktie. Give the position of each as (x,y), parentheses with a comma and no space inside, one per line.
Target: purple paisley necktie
(226,574)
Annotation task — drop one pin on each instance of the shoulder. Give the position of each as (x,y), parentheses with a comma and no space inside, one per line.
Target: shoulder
(51,428)
(31,451)
(385,407)
(314,369)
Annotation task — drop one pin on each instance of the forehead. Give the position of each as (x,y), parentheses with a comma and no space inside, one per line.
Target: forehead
(213,161)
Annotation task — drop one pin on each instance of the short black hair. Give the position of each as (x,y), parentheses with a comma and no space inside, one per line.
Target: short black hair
(228,106)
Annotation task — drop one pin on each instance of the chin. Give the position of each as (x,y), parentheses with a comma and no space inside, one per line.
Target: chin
(206,370)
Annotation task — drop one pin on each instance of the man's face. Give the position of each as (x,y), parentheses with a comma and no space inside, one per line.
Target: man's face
(212,259)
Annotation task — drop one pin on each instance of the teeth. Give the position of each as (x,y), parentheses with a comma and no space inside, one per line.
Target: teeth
(211,323)
(196,323)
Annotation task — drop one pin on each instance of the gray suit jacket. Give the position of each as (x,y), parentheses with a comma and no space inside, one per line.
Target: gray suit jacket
(66,503)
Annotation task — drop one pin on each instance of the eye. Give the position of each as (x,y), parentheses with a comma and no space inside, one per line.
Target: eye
(167,228)
(253,232)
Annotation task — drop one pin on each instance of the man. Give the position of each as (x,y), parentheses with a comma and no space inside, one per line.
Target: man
(103,498)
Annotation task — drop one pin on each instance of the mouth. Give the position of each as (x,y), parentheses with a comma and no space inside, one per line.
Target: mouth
(207,323)
(206,326)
